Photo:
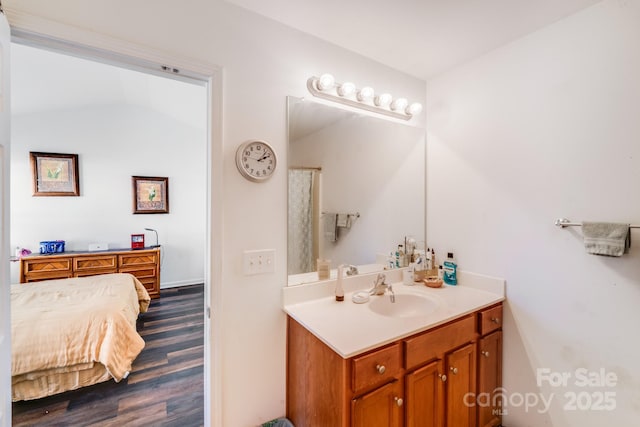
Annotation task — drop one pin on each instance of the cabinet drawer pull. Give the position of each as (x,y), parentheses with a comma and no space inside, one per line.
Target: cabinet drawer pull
(443,377)
(381,369)
(485,353)
(495,320)
(454,370)
(398,400)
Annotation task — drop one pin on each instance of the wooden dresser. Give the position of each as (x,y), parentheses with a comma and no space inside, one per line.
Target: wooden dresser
(142,263)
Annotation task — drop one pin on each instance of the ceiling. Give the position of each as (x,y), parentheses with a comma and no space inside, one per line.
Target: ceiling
(419,37)
(42,80)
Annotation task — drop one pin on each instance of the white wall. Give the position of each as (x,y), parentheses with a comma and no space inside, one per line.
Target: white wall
(263,62)
(542,128)
(113,143)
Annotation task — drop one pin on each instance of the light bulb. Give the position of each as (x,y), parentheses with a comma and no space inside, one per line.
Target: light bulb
(383,100)
(346,89)
(365,94)
(413,109)
(399,104)
(326,81)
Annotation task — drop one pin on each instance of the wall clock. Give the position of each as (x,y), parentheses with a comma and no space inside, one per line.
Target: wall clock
(256,160)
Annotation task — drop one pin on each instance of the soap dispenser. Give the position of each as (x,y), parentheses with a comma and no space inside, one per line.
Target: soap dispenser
(339,288)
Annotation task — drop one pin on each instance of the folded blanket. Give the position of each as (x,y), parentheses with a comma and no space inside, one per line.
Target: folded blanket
(605,238)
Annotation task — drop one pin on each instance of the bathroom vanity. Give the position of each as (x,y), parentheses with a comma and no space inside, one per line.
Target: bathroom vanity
(348,365)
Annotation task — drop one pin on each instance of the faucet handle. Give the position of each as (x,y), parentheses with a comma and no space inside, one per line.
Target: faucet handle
(352,271)
(380,279)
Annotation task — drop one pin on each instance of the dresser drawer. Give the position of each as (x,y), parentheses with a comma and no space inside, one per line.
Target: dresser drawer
(377,367)
(434,343)
(137,259)
(141,273)
(43,268)
(88,265)
(490,319)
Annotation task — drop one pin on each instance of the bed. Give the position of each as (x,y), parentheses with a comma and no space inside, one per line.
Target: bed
(71,333)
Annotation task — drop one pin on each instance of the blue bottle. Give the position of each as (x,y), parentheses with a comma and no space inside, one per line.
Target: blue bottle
(450,267)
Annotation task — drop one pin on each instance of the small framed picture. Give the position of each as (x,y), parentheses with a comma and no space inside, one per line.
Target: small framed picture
(55,174)
(150,194)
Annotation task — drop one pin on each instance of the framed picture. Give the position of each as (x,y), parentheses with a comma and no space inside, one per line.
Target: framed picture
(55,174)
(150,194)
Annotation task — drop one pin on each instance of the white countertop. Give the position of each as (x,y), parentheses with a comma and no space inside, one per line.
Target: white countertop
(350,329)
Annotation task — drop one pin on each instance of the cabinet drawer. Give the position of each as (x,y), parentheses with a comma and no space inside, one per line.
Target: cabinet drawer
(433,344)
(141,272)
(137,259)
(89,264)
(58,265)
(490,319)
(377,367)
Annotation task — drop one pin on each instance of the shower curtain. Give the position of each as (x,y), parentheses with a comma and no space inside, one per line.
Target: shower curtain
(301,250)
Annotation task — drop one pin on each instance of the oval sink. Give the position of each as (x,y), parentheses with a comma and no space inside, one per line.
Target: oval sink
(405,305)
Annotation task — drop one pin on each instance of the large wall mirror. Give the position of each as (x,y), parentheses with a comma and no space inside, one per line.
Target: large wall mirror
(356,188)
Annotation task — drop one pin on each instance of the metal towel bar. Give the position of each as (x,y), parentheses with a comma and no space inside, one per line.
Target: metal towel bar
(564,222)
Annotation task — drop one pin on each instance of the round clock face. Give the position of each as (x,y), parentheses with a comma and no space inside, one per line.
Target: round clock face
(256,160)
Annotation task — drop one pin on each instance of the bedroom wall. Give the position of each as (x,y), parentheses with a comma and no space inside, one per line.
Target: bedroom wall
(113,143)
(547,127)
(263,62)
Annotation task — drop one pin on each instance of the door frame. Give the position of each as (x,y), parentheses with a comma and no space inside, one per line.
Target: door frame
(44,34)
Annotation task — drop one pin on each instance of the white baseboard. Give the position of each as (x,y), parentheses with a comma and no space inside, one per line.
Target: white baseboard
(167,285)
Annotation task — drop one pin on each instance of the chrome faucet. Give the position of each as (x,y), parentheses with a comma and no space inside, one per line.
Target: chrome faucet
(380,287)
(352,270)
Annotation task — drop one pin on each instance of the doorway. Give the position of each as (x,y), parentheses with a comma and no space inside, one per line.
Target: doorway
(130,58)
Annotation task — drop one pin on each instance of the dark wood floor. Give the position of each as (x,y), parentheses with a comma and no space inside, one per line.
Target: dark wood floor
(165,387)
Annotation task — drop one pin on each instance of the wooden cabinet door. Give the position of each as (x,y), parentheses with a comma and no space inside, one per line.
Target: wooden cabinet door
(461,387)
(425,396)
(383,407)
(489,379)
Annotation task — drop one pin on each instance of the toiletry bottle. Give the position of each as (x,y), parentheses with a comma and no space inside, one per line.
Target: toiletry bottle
(339,288)
(399,253)
(433,259)
(391,261)
(450,267)
(440,272)
(428,265)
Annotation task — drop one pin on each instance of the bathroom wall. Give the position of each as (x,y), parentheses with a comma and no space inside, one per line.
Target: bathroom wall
(542,128)
(263,62)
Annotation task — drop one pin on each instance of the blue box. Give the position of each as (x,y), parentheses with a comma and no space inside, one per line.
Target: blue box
(52,246)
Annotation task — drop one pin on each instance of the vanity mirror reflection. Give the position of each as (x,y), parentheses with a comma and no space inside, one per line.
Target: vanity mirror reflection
(356,188)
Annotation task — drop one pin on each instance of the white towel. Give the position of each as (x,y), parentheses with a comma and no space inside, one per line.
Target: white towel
(330,226)
(605,238)
(343,221)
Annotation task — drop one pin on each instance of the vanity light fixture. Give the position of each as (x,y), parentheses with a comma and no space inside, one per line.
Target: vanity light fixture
(346,93)
(346,89)
(365,94)
(383,100)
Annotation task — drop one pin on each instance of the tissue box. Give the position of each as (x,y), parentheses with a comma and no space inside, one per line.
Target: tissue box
(51,246)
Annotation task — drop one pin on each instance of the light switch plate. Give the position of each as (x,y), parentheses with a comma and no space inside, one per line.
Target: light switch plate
(259,261)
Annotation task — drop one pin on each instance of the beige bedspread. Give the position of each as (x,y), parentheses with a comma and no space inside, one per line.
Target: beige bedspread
(69,325)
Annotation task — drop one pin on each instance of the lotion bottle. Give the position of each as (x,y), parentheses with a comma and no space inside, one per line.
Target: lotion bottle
(339,288)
